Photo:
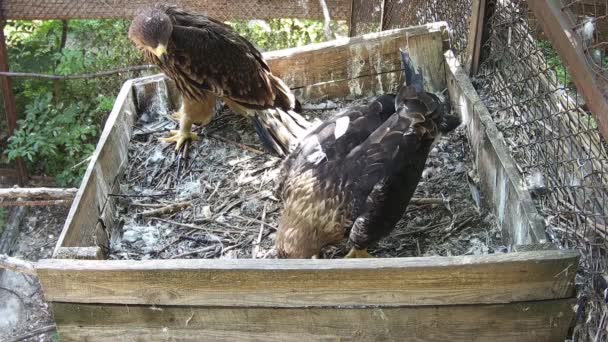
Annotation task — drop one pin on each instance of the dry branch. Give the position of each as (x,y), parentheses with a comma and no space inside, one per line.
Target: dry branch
(17,265)
(34,333)
(38,193)
(170,209)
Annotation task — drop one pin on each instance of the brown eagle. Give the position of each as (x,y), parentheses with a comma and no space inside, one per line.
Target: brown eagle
(207,60)
(355,174)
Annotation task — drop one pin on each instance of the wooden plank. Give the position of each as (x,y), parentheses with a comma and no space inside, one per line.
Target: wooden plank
(359,87)
(501,181)
(105,165)
(79,253)
(500,278)
(10,109)
(223,10)
(348,58)
(476,26)
(557,26)
(38,193)
(526,321)
(426,52)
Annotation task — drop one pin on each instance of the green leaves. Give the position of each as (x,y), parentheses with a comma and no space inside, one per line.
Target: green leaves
(277,34)
(54,138)
(61,120)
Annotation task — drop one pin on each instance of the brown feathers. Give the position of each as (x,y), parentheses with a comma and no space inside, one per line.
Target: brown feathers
(203,55)
(354,175)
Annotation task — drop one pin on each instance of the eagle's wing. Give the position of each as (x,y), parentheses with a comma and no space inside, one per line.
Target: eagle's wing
(219,60)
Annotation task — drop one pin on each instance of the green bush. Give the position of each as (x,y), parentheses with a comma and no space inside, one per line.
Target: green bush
(60,120)
(57,136)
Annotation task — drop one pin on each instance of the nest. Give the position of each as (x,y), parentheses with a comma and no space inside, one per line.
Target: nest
(216,198)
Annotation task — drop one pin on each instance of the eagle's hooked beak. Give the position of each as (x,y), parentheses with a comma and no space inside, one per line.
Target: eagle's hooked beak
(161,52)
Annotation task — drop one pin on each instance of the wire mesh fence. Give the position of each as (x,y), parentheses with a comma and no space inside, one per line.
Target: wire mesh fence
(398,13)
(222,10)
(556,144)
(589,20)
(373,16)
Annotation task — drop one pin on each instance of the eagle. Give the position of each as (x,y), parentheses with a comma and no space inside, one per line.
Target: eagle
(208,61)
(353,175)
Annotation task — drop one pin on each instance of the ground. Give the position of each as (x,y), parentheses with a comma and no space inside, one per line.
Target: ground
(222,190)
(22,306)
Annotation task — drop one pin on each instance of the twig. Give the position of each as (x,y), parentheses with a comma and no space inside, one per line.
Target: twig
(191,226)
(14,293)
(426,201)
(196,251)
(77,77)
(34,333)
(214,191)
(142,196)
(239,145)
(17,265)
(256,248)
(454,228)
(170,209)
(256,220)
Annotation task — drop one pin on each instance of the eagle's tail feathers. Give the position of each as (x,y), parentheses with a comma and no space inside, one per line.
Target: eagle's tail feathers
(269,140)
(284,98)
(279,130)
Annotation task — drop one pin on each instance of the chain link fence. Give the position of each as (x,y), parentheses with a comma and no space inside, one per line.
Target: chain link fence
(556,144)
(589,19)
(373,16)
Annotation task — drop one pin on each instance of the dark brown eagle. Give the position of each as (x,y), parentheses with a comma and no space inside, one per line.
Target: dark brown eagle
(355,174)
(207,60)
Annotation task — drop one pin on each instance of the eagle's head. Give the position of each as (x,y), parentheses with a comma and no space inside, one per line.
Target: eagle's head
(151,30)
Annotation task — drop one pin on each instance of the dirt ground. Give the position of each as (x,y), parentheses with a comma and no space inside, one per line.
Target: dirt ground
(228,209)
(22,307)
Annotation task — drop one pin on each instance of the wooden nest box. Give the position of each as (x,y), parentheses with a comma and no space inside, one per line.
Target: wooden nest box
(524,295)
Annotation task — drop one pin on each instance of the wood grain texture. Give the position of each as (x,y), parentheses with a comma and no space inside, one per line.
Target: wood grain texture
(38,193)
(501,182)
(79,253)
(426,52)
(476,26)
(349,59)
(106,163)
(500,278)
(527,321)
(223,10)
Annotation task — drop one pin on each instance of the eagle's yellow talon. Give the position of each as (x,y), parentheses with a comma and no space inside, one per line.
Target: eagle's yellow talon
(358,253)
(179,138)
(176,115)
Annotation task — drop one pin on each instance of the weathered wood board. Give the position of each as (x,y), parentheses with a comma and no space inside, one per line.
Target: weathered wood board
(361,66)
(498,278)
(530,321)
(101,175)
(500,180)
